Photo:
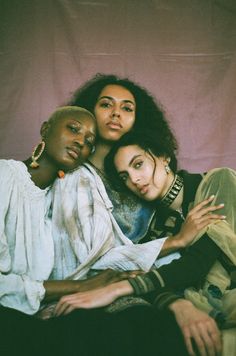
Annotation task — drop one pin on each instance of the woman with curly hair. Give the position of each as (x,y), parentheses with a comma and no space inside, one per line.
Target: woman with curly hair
(120,106)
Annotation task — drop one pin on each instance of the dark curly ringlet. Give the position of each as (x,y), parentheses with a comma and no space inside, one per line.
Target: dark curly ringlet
(148,112)
(153,143)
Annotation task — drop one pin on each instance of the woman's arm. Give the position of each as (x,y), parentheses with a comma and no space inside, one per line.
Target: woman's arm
(197,219)
(93,299)
(57,289)
(187,271)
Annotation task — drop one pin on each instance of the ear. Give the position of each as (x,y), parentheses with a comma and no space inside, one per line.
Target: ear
(44,129)
(165,160)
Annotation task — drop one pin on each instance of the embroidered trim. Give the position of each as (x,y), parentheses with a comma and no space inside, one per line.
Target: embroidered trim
(160,279)
(174,190)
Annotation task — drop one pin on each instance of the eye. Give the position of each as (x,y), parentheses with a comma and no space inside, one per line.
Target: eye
(74,128)
(90,143)
(138,164)
(128,108)
(105,104)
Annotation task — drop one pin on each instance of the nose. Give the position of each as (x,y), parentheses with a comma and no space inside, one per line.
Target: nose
(115,112)
(135,179)
(80,139)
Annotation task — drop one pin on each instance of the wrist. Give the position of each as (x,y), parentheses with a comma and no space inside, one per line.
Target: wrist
(175,242)
(121,288)
(179,241)
(179,304)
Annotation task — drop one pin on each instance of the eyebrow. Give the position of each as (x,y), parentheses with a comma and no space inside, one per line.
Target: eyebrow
(111,98)
(130,163)
(79,122)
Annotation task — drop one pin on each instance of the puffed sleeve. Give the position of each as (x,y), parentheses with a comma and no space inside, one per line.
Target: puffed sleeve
(17,291)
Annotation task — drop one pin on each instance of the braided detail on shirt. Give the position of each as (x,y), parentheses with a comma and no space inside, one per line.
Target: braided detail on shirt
(163,300)
(147,282)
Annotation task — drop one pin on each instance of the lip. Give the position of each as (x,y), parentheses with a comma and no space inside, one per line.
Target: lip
(144,189)
(114,125)
(73,152)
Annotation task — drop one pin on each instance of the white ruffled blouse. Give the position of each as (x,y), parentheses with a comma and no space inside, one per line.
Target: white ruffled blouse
(26,244)
(58,233)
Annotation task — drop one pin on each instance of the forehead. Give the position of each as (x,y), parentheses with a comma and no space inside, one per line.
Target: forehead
(82,118)
(117,91)
(125,154)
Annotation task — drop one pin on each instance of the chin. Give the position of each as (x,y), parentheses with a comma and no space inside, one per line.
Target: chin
(111,138)
(109,135)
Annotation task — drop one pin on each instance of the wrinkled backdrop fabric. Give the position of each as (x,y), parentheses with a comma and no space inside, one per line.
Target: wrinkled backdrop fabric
(183,51)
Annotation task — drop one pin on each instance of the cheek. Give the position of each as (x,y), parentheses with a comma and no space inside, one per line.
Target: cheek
(85,153)
(130,186)
(147,172)
(160,179)
(128,123)
(100,115)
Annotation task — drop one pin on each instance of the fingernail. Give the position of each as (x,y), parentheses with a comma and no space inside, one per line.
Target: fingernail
(212,196)
(221,204)
(223,217)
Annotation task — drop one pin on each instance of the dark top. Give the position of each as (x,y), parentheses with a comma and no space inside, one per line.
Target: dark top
(196,261)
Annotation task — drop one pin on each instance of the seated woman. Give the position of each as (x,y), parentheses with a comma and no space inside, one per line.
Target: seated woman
(26,244)
(120,104)
(144,163)
(28,252)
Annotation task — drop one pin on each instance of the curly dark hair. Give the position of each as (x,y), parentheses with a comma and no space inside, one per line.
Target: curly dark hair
(151,142)
(148,112)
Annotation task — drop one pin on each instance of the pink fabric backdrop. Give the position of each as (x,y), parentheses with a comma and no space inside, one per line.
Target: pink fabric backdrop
(183,51)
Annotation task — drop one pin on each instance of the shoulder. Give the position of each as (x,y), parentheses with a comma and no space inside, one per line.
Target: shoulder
(218,180)
(221,173)
(84,176)
(5,163)
(10,168)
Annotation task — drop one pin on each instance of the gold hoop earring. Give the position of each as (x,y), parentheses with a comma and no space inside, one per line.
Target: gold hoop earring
(167,168)
(40,147)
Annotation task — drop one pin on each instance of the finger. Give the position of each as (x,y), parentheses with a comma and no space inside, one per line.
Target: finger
(209,343)
(189,346)
(216,216)
(69,309)
(205,221)
(59,310)
(62,305)
(198,341)
(216,339)
(209,219)
(204,211)
(213,208)
(203,203)
(210,335)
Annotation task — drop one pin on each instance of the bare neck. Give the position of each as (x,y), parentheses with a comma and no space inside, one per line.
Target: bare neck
(97,159)
(43,176)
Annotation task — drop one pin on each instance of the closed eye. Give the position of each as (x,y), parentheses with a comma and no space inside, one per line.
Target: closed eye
(90,142)
(74,128)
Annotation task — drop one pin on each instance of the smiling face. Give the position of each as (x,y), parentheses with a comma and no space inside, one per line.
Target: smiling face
(115,112)
(69,140)
(144,174)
